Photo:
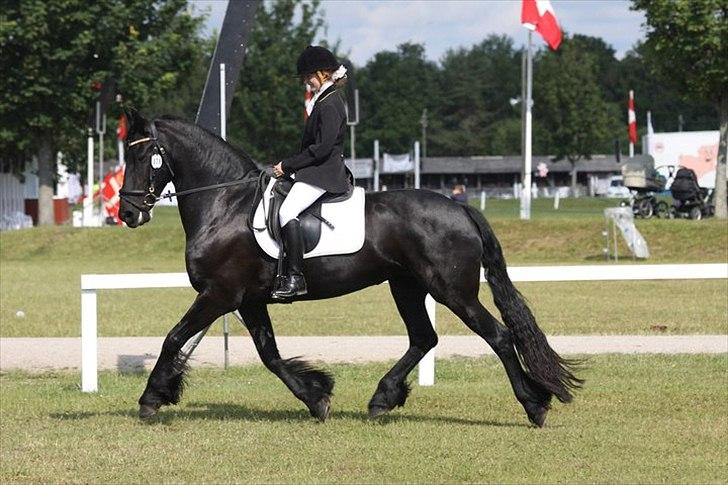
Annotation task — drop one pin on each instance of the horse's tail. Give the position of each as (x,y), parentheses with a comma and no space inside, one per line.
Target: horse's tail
(542,363)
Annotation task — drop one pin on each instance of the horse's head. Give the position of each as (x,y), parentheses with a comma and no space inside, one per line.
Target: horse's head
(147,172)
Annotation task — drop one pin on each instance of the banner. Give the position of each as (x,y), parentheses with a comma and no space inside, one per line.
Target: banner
(397,163)
(696,150)
(362,168)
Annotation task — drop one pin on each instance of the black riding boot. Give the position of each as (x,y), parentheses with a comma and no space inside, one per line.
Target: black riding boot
(294,284)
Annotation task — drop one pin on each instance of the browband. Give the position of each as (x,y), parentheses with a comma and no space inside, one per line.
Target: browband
(140,140)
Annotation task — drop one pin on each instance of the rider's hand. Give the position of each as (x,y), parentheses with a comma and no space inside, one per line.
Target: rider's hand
(278,170)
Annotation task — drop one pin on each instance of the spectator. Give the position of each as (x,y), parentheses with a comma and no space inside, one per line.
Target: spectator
(459,195)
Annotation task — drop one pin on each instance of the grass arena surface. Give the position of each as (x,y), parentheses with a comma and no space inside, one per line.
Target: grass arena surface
(640,419)
(41,271)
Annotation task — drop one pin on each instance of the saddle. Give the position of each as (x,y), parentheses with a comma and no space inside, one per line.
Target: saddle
(310,219)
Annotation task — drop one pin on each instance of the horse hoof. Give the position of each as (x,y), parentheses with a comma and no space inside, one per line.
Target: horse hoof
(376,411)
(321,409)
(537,416)
(147,411)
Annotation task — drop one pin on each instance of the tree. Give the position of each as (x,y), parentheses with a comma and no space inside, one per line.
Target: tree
(188,92)
(54,51)
(394,88)
(688,40)
(569,102)
(267,112)
(474,108)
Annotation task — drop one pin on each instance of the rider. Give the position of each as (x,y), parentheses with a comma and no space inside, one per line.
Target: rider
(319,167)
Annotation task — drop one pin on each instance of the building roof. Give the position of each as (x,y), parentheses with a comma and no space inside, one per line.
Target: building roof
(514,164)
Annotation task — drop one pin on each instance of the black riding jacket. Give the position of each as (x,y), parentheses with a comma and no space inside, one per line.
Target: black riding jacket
(321,160)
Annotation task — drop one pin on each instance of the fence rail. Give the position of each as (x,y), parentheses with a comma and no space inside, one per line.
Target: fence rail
(91,283)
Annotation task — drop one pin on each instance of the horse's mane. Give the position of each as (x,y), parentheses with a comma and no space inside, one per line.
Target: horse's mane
(234,152)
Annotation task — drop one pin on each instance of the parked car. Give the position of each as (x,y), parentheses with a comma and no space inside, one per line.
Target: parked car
(616,188)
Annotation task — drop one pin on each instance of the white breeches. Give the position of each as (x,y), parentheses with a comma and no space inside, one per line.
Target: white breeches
(300,198)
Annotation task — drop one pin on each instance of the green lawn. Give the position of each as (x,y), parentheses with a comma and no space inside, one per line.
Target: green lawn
(40,275)
(640,419)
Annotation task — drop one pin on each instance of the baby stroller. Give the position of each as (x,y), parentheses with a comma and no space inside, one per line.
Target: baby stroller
(690,200)
(644,181)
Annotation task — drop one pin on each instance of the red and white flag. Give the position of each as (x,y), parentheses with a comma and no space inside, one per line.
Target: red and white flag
(539,15)
(631,119)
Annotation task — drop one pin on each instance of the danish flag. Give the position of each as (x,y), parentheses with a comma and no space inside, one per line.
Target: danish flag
(539,15)
(632,119)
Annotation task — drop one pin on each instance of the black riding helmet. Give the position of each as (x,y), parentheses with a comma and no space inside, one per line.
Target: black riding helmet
(315,58)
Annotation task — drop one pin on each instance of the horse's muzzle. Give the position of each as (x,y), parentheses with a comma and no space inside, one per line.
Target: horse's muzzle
(133,217)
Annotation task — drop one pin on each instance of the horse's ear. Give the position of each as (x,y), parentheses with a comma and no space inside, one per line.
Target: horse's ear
(135,121)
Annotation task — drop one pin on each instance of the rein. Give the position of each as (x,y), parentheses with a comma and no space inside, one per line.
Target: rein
(157,160)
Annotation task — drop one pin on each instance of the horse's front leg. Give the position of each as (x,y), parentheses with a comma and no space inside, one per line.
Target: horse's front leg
(166,380)
(310,385)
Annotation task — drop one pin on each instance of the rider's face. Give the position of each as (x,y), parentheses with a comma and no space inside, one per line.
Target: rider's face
(312,81)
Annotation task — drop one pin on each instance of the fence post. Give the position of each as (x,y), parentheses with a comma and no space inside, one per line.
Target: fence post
(89,352)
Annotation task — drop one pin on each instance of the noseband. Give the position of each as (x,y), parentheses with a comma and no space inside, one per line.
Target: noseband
(159,158)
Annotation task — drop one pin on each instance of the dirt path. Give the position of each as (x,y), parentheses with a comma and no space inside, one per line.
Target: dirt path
(130,353)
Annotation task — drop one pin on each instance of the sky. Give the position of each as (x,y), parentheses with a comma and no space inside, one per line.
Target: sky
(366,27)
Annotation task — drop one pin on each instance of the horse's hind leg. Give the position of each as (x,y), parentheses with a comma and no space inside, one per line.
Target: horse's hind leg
(393,389)
(312,386)
(533,397)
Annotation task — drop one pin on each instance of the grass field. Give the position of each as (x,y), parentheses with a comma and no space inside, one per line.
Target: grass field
(40,276)
(640,419)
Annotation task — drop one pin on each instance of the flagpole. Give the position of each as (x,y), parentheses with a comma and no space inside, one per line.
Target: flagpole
(527,162)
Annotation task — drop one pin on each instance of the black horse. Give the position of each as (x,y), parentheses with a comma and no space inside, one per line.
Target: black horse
(419,241)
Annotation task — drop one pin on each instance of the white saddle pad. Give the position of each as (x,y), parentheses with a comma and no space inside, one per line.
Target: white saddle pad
(347,217)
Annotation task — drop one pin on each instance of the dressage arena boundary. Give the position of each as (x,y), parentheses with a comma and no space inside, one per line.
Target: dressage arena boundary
(91,283)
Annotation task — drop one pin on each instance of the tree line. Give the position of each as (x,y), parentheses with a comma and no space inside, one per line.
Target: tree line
(52,52)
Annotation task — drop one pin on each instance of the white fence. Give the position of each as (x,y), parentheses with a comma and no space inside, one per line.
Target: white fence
(90,284)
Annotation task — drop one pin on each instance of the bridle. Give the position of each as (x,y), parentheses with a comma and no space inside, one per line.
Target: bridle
(159,159)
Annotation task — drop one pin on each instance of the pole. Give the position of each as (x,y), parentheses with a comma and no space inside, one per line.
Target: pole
(89,349)
(526,189)
(417,165)
(352,141)
(101,130)
(524,62)
(352,124)
(120,151)
(88,208)
(376,165)
(423,121)
(223,135)
(223,114)
(226,339)
(102,209)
